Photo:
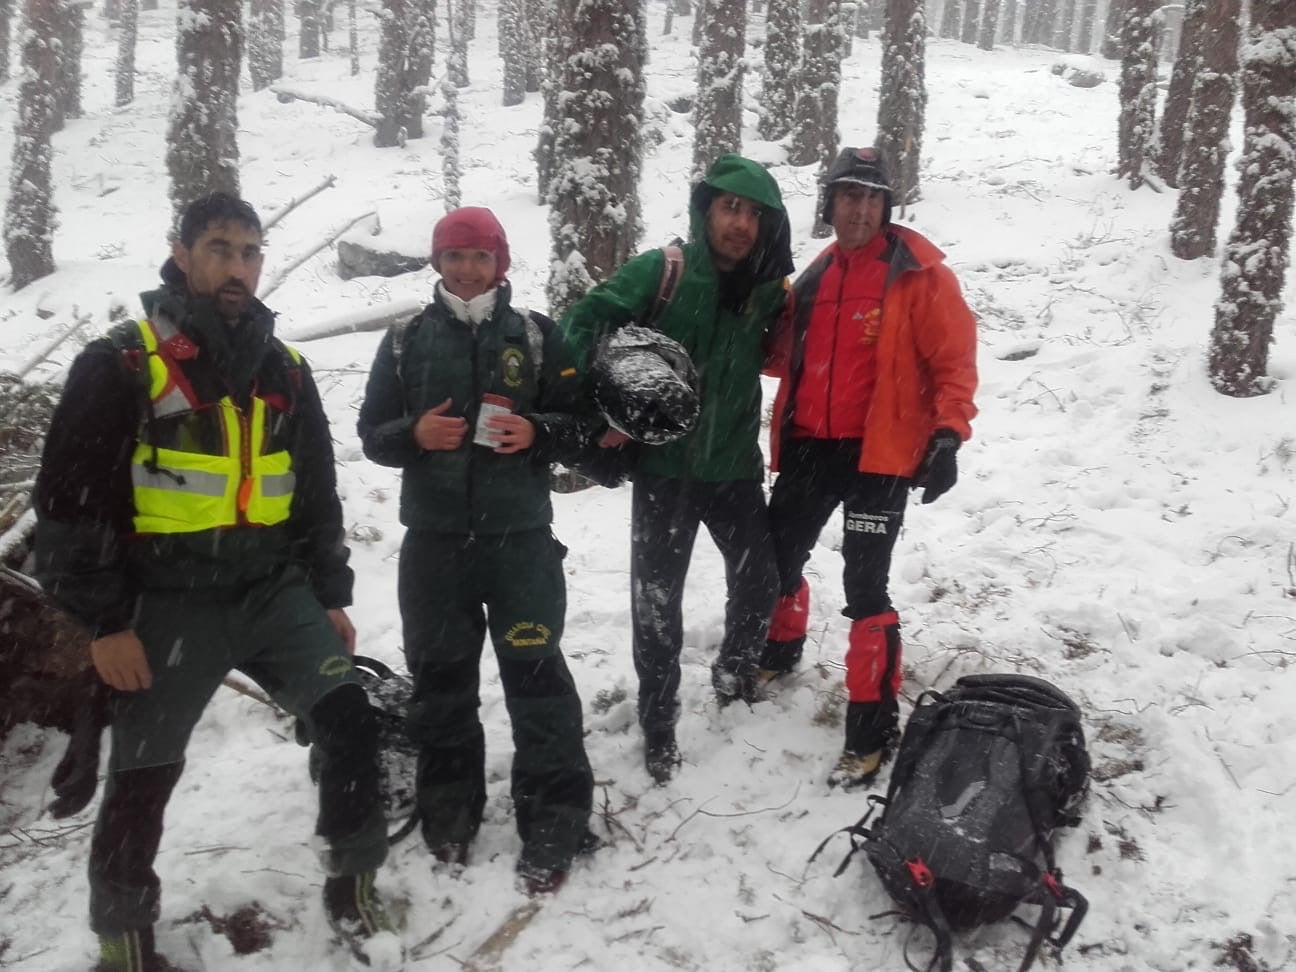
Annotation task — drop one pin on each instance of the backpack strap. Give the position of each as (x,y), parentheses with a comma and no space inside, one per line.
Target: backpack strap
(672,271)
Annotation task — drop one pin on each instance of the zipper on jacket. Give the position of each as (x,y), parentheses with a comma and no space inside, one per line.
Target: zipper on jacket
(472,449)
(832,361)
(245,464)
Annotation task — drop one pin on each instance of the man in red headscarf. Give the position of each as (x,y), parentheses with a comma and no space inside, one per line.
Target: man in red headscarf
(472,400)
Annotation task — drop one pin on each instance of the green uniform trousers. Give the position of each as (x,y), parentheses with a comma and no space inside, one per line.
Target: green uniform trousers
(453,589)
(276,632)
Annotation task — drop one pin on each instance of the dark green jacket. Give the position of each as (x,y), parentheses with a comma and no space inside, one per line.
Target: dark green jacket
(723,333)
(87,557)
(473,489)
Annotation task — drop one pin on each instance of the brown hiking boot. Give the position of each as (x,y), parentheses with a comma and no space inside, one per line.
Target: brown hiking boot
(854,770)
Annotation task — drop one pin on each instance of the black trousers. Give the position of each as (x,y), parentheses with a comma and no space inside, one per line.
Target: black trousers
(665,515)
(815,477)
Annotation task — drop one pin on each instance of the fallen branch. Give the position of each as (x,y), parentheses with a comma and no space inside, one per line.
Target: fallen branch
(78,321)
(286,94)
(254,694)
(280,275)
(296,201)
(379,317)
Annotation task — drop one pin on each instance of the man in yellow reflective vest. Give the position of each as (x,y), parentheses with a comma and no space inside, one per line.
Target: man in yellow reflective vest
(188,516)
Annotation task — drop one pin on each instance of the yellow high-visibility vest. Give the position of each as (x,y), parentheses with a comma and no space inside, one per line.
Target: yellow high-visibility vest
(182,491)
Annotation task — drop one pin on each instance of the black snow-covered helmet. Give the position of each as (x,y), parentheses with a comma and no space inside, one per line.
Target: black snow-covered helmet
(389,697)
(645,385)
(860,167)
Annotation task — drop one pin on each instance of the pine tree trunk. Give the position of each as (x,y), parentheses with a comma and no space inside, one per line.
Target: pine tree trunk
(534,49)
(1066,30)
(1088,15)
(1137,90)
(549,89)
(308,41)
(595,219)
(717,112)
(1111,44)
(459,19)
(950,18)
(971,21)
(29,215)
(903,102)
(782,62)
(353,37)
(1179,98)
(71,34)
(699,20)
(1259,248)
(265,43)
(814,130)
(1201,169)
(451,168)
(469,13)
(989,26)
(513,43)
(391,98)
(129,30)
(6,36)
(418,62)
(1047,22)
(1008,23)
(202,135)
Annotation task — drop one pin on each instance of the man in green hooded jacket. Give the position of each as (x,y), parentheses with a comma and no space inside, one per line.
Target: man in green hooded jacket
(730,291)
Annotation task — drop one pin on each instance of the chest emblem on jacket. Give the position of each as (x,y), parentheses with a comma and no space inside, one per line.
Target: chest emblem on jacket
(511,359)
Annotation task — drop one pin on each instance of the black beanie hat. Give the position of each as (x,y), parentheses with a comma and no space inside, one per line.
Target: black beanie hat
(860,167)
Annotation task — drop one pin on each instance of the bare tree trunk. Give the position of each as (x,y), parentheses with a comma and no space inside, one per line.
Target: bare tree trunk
(1088,14)
(451,167)
(129,30)
(595,217)
(1111,44)
(29,215)
(1201,170)
(202,135)
(971,21)
(458,20)
(950,19)
(782,62)
(1047,22)
(989,26)
(353,37)
(1258,250)
(405,46)
(717,112)
(1008,23)
(513,43)
(1137,91)
(814,130)
(6,38)
(418,62)
(71,34)
(902,106)
(308,41)
(544,151)
(265,43)
(1066,30)
(1179,98)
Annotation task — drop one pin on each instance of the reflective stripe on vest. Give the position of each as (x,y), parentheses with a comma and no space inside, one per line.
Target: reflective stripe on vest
(177,491)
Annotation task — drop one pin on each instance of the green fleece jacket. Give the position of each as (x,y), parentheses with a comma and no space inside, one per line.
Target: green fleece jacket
(720,319)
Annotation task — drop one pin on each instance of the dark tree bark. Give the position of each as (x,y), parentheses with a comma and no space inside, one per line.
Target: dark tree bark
(6,32)
(451,168)
(1201,171)
(535,16)
(1066,26)
(989,26)
(418,62)
(1111,44)
(405,46)
(71,36)
(902,106)
(513,42)
(814,130)
(717,112)
(128,31)
(459,18)
(545,15)
(1137,91)
(1259,248)
(971,21)
(1088,14)
(29,215)
(782,62)
(1174,118)
(265,43)
(202,135)
(308,41)
(950,18)
(595,219)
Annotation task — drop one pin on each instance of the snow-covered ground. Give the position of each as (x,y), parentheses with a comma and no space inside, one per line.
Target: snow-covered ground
(1119,529)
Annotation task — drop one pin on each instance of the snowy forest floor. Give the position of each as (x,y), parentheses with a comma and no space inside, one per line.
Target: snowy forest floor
(1119,529)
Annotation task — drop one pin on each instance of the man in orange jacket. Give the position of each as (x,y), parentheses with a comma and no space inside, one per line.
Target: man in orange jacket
(877,356)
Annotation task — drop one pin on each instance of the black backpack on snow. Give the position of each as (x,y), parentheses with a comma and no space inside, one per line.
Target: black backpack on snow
(984,775)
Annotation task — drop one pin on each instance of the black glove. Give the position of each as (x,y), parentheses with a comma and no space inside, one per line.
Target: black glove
(938,471)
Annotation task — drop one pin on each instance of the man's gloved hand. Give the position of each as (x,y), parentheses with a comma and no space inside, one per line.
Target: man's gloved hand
(938,471)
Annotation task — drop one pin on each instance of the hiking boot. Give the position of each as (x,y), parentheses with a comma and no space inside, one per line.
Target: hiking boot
(357,915)
(452,853)
(131,951)
(535,880)
(854,770)
(736,680)
(661,755)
